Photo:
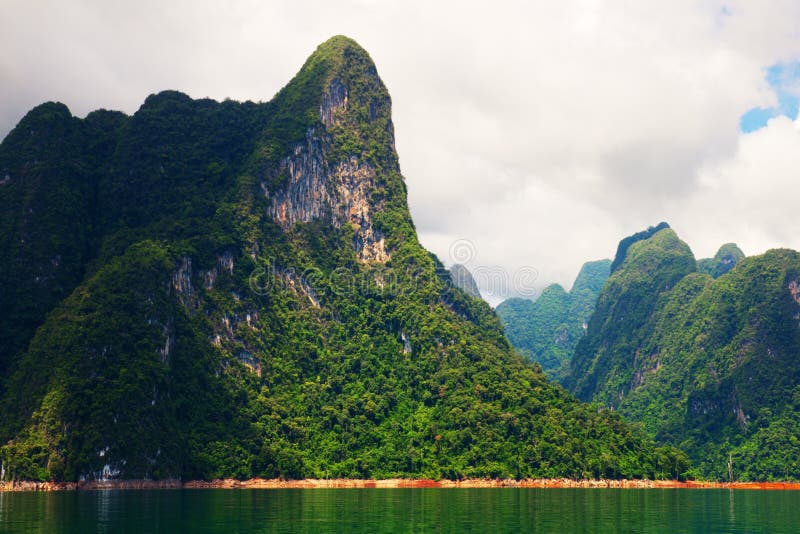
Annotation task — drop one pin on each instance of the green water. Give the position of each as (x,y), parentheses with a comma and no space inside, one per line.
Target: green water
(402,510)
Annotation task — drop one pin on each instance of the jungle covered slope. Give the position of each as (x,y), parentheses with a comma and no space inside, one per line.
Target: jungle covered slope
(709,365)
(723,261)
(206,290)
(546,330)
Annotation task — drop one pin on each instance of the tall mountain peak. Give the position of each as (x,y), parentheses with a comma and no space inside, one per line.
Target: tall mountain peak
(225,289)
(653,262)
(710,364)
(343,167)
(336,73)
(625,244)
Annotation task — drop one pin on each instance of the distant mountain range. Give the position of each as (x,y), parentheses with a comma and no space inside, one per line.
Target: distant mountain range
(704,354)
(707,364)
(546,330)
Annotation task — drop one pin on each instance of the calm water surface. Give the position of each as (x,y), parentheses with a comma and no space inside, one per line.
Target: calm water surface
(403,510)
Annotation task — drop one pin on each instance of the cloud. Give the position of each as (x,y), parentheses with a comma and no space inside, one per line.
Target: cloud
(750,197)
(541,131)
(785,81)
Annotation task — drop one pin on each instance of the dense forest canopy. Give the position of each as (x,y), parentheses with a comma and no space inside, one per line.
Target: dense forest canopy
(221,289)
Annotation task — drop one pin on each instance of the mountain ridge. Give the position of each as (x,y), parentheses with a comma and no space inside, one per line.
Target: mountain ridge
(547,330)
(703,360)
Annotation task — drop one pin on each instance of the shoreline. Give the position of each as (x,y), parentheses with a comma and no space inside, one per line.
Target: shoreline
(260,483)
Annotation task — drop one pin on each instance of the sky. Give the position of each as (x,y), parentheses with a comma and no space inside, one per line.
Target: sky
(533,135)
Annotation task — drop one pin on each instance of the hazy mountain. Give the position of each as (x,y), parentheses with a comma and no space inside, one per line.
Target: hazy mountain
(546,330)
(462,278)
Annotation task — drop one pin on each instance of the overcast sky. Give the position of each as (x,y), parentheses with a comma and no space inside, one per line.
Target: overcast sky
(533,135)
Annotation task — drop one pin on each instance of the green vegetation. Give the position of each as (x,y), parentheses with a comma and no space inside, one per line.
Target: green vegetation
(625,244)
(546,331)
(708,365)
(161,324)
(602,367)
(723,261)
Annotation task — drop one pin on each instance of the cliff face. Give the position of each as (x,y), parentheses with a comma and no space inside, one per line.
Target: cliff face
(342,170)
(236,290)
(336,196)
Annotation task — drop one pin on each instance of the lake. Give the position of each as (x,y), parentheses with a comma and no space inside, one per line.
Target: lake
(403,510)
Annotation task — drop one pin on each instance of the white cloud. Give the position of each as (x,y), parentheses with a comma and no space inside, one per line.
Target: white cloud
(541,131)
(751,198)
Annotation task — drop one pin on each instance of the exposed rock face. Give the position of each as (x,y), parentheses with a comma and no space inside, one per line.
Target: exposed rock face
(232,332)
(182,284)
(169,343)
(337,196)
(224,266)
(307,195)
(299,286)
(335,99)
(794,289)
(354,182)
(335,193)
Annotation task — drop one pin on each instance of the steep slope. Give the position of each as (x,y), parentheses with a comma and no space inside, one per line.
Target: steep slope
(625,244)
(546,331)
(49,166)
(462,278)
(251,299)
(723,261)
(720,368)
(603,365)
(707,364)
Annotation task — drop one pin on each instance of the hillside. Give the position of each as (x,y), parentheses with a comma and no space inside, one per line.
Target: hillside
(706,364)
(546,331)
(208,289)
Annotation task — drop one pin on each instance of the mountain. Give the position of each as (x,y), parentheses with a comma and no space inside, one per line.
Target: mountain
(221,289)
(707,364)
(462,278)
(723,261)
(649,265)
(546,331)
(625,244)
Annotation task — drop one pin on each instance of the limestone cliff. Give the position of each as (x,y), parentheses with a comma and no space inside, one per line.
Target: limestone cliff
(326,177)
(246,296)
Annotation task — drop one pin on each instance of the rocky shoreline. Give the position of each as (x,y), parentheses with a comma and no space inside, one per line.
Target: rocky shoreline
(260,483)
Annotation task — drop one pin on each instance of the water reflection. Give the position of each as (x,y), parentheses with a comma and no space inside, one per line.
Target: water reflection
(402,510)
